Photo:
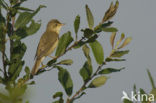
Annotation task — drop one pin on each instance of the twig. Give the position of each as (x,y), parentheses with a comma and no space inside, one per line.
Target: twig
(70,48)
(85,83)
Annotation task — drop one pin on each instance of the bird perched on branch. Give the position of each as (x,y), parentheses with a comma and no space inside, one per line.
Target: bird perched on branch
(47,44)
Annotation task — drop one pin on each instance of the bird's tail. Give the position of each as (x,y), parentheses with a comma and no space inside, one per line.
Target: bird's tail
(36,66)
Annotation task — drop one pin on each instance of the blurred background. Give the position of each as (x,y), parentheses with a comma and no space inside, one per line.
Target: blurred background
(135,18)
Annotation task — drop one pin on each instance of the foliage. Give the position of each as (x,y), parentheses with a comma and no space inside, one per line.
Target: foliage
(18,23)
(14,30)
(142,91)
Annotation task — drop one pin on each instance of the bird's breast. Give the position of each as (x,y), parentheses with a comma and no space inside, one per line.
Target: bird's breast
(52,48)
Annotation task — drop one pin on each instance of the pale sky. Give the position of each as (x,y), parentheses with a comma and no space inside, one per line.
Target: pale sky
(136,18)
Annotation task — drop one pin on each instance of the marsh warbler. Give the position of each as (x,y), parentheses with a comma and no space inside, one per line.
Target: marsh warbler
(47,44)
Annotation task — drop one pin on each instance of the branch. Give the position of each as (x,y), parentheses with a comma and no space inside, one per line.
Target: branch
(71,47)
(85,83)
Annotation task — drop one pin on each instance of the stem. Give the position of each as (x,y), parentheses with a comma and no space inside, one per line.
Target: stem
(3,53)
(4,41)
(71,47)
(85,83)
(68,49)
(3,60)
(77,93)
(11,33)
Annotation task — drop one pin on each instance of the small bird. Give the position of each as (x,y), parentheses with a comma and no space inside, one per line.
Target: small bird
(47,44)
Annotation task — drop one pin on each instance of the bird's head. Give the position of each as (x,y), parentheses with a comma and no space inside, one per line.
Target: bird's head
(54,25)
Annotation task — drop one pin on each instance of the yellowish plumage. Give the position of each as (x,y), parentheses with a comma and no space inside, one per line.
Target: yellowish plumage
(47,44)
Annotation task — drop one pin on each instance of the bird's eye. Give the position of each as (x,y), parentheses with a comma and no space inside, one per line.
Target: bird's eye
(55,24)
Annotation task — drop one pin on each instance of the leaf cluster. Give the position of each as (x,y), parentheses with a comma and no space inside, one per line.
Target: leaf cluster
(142,91)
(16,24)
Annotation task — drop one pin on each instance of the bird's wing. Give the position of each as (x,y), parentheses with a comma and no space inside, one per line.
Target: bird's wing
(47,41)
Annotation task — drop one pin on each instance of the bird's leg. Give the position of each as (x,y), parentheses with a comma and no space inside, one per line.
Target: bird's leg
(43,66)
(42,63)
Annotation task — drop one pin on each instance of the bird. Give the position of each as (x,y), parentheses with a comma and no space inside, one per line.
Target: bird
(47,44)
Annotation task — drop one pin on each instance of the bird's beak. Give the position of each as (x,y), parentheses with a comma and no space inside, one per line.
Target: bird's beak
(62,24)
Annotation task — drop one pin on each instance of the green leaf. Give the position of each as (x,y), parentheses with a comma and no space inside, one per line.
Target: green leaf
(3,97)
(99,27)
(26,77)
(82,42)
(134,88)
(1,45)
(27,102)
(153,92)
(32,83)
(2,31)
(88,33)
(66,62)
(13,12)
(97,51)
(23,0)
(40,71)
(107,24)
(56,101)
(18,51)
(142,92)
(110,70)
(1,79)
(15,70)
(18,91)
(57,94)
(24,9)
(16,64)
(98,82)
(64,42)
(111,29)
(25,17)
(23,32)
(92,39)
(151,79)
(27,70)
(86,52)
(119,54)
(13,2)
(4,4)
(79,44)
(116,60)
(51,62)
(83,93)
(127,101)
(33,28)
(86,71)
(65,80)
(90,17)
(77,24)
(1,70)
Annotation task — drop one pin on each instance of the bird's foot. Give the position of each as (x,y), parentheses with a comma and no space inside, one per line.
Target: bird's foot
(43,66)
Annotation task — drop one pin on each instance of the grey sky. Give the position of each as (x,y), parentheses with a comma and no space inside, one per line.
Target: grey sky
(136,18)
